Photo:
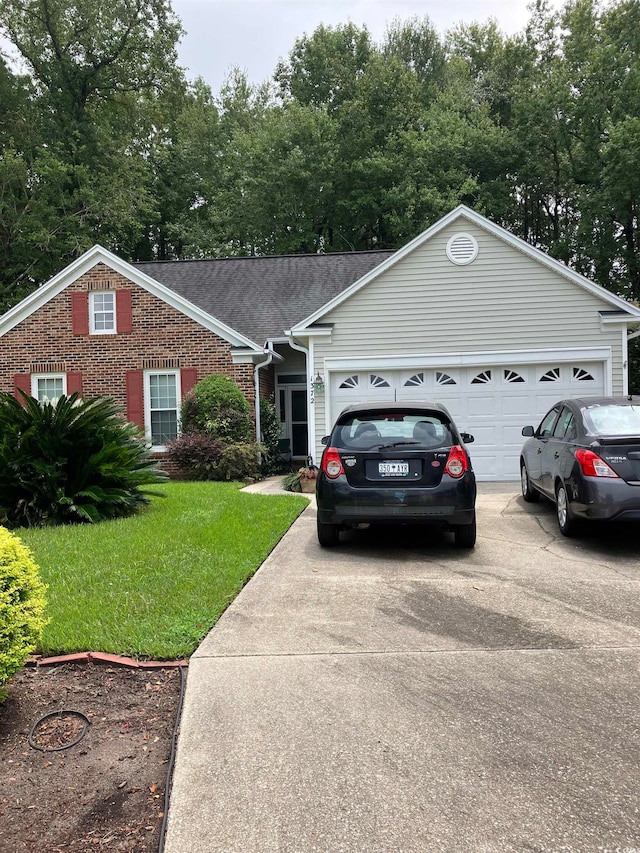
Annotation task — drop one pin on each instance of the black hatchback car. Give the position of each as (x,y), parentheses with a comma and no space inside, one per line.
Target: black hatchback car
(396,463)
(585,456)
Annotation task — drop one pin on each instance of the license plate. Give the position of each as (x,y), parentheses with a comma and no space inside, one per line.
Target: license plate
(393,469)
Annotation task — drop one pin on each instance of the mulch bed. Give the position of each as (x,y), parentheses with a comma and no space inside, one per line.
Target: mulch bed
(105,792)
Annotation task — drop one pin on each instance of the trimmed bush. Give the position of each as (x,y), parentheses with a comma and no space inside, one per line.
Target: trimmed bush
(70,461)
(238,462)
(196,455)
(21,605)
(217,407)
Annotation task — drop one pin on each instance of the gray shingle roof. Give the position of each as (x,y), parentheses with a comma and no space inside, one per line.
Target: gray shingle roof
(261,297)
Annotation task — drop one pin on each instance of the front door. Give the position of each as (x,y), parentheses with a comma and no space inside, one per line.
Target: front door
(293,416)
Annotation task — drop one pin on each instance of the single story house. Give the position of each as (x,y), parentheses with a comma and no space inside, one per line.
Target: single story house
(466,313)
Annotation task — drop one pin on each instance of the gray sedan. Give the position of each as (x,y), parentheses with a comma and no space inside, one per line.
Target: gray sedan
(585,456)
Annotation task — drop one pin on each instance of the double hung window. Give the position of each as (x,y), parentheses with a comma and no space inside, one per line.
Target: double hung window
(162,405)
(47,387)
(102,312)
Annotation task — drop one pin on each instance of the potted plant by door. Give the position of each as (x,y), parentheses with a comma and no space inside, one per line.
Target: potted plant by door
(308,474)
(302,480)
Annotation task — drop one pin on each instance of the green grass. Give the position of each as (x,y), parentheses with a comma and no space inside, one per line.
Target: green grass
(154,584)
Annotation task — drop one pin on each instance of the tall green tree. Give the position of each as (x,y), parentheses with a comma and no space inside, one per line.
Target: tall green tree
(100,78)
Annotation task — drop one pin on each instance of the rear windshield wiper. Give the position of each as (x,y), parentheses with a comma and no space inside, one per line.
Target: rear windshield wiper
(396,444)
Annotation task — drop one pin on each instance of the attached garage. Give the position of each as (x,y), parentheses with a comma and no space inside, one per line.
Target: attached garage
(471,316)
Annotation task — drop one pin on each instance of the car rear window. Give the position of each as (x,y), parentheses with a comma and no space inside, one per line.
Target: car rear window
(370,429)
(612,420)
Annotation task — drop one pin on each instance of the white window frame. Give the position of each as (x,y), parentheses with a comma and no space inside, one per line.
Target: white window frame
(159,448)
(92,313)
(36,377)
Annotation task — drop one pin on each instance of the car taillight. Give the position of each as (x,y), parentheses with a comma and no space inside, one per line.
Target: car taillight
(331,463)
(457,462)
(592,465)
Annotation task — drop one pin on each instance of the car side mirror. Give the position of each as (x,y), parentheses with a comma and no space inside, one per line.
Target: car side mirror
(528,431)
(325,439)
(467,438)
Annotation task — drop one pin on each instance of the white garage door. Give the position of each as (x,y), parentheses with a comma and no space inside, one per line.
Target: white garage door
(493,403)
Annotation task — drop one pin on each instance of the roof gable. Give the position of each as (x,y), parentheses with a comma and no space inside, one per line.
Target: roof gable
(97,255)
(462,214)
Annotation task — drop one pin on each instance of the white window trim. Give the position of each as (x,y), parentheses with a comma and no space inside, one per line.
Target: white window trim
(159,448)
(36,376)
(92,313)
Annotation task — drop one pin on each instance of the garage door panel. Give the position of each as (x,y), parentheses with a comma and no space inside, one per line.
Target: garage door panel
(516,404)
(484,405)
(512,435)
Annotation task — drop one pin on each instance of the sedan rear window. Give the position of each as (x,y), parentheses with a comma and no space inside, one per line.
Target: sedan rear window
(612,420)
(371,429)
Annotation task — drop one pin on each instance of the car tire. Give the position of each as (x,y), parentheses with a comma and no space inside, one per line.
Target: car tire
(465,534)
(530,495)
(328,534)
(568,525)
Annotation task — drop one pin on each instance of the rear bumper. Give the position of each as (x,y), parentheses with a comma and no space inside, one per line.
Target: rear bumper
(607,500)
(450,503)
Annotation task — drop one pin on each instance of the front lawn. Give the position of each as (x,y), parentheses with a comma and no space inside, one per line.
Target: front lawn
(153,585)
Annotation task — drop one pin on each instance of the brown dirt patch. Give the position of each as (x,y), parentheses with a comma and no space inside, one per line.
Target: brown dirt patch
(107,791)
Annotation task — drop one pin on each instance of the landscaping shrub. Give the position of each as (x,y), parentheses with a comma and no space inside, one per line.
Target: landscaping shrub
(217,407)
(21,605)
(270,428)
(196,455)
(72,460)
(238,462)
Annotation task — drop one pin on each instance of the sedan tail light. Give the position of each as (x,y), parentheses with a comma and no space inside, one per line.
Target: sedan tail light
(457,462)
(331,463)
(592,465)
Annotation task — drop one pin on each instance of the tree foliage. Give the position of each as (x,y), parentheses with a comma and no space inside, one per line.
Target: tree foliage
(352,145)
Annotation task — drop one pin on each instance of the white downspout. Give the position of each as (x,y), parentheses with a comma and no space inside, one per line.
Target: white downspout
(309,366)
(256,385)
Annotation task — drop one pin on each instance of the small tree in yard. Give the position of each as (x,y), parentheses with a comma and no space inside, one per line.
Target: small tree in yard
(21,605)
(71,460)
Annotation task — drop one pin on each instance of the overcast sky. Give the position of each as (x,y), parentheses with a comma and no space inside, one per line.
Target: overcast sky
(254,34)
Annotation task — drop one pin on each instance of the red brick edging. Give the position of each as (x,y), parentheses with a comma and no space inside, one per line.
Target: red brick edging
(102,657)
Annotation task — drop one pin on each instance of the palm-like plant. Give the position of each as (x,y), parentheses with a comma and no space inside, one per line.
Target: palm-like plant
(71,460)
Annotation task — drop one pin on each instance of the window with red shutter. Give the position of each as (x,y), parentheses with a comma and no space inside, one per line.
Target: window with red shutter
(74,383)
(21,382)
(80,313)
(188,379)
(124,321)
(135,398)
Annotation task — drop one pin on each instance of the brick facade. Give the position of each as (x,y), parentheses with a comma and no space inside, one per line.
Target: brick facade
(160,337)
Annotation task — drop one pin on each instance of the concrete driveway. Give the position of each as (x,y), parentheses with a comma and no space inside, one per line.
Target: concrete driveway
(396,694)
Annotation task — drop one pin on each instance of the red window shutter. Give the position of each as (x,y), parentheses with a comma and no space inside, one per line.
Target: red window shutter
(135,398)
(21,382)
(80,313)
(74,383)
(188,379)
(123,311)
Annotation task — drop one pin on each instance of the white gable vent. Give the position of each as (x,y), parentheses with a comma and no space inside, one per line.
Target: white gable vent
(462,249)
